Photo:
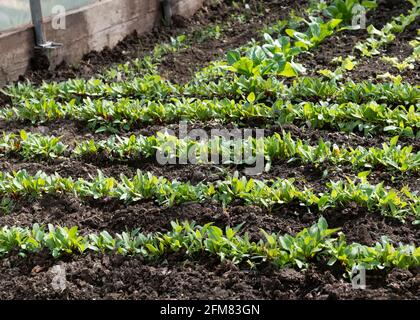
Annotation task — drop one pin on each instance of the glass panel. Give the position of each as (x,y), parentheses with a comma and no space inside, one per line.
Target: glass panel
(14,13)
(48,5)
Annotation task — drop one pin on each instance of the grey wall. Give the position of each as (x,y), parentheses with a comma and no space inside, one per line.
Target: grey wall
(15,13)
(93,27)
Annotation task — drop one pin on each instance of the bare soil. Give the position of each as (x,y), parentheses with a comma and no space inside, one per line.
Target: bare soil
(92,276)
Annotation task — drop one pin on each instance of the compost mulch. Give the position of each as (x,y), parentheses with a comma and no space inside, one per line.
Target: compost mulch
(116,277)
(96,276)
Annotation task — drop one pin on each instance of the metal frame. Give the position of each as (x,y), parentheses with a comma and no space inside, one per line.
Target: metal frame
(167,12)
(40,41)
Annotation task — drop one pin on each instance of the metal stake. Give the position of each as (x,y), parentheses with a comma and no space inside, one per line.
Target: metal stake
(36,12)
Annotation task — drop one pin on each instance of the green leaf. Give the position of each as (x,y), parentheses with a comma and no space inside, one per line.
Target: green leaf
(23,135)
(286,242)
(390,128)
(363,175)
(326,73)
(393,141)
(322,224)
(233,56)
(152,249)
(299,263)
(215,232)
(244,66)
(332,261)
(334,23)
(230,233)
(348,64)
(322,201)
(288,71)
(290,32)
(251,97)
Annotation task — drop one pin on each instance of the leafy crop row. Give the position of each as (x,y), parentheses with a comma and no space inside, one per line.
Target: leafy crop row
(154,88)
(310,244)
(303,88)
(232,151)
(146,65)
(145,186)
(274,55)
(371,46)
(148,86)
(410,61)
(339,10)
(379,38)
(104,115)
(283,147)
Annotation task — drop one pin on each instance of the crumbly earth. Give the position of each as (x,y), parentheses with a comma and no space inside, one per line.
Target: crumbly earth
(92,276)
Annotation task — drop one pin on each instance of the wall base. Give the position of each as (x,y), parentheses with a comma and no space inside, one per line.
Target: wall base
(90,28)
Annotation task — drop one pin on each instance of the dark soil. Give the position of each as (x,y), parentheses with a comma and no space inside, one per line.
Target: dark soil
(116,277)
(92,276)
(90,215)
(342,44)
(137,46)
(179,67)
(315,176)
(371,68)
(74,131)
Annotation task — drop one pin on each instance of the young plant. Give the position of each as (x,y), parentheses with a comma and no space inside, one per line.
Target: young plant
(39,146)
(346,9)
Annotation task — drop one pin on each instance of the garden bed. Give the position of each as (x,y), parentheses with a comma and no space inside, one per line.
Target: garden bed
(209,35)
